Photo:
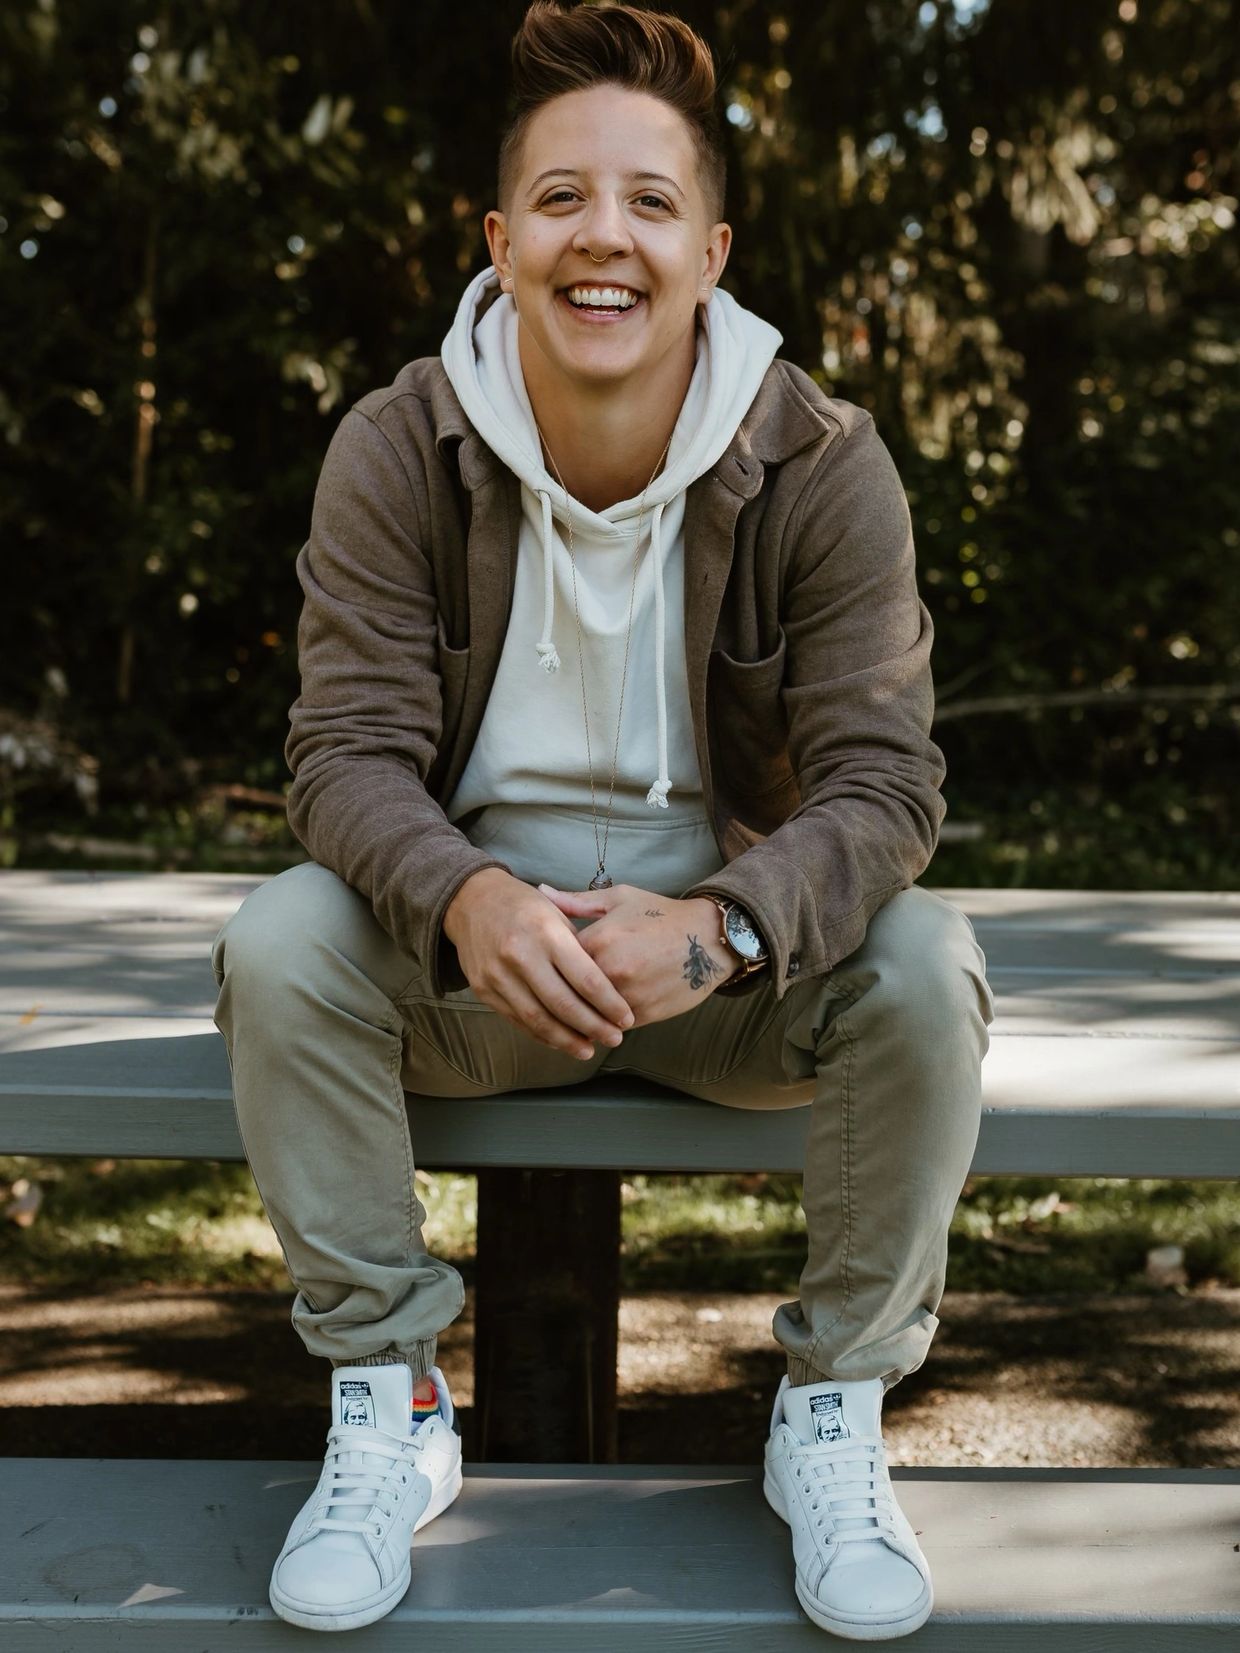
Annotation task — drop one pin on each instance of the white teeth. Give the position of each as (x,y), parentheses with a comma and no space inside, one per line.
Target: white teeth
(612,298)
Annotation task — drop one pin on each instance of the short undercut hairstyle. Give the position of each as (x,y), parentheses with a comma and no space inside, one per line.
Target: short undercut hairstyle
(567,48)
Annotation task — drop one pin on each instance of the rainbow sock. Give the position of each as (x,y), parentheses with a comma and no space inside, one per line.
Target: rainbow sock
(420,1410)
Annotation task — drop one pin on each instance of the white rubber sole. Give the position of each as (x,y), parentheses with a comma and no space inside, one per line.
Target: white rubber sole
(866,1629)
(314,1616)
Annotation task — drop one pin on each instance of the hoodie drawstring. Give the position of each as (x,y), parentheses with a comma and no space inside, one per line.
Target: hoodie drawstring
(548,656)
(657,796)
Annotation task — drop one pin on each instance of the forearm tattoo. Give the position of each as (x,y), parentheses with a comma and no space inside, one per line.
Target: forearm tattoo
(700,968)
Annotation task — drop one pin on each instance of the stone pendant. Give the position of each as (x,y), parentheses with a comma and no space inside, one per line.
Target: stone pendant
(600,881)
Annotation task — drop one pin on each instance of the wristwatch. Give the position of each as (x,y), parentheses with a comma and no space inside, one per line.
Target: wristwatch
(741,934)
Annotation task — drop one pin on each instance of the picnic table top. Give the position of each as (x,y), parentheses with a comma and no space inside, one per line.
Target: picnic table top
(1109,1004)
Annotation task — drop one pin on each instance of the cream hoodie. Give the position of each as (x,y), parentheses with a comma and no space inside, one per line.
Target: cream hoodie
(525,793)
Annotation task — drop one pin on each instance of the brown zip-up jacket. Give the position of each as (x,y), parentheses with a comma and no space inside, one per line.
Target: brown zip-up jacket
(807,652)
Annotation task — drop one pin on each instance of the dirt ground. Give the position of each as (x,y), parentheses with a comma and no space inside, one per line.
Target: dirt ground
(1102,1382)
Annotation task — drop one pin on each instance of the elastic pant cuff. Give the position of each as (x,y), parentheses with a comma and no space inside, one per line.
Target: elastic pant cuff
(419,1358)
(800,1372)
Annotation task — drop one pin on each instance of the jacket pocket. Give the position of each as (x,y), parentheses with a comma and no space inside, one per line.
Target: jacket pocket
(747,723)
(453,671)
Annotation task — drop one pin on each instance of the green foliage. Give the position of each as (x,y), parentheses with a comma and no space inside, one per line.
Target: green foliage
(1008,230)
(191,1222)
(119,1223)
(1166,831)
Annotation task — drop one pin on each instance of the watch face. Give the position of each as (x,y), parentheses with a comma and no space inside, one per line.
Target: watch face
(742,935)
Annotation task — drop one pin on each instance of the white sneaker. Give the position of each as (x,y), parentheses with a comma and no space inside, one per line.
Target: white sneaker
(345,1561)
(860,1571)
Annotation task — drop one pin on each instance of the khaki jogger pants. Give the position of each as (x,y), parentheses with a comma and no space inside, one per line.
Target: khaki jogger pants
(327,1024)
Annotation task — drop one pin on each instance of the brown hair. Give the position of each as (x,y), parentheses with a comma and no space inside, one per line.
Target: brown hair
(566,48)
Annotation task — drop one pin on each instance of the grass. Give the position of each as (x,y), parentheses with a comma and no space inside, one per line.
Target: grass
(184,1223)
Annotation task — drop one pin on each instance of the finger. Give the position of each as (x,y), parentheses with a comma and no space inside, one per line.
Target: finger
(580,900)
(565,989)
(593,988)
(532,1016)
(562,903)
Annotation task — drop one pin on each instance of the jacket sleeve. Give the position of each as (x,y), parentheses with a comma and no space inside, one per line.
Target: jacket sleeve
(859,699)
(365,726)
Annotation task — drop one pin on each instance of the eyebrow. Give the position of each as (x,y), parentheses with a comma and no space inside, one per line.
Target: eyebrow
(571,172)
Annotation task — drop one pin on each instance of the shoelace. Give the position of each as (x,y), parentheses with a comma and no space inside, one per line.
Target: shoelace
(851,1469)
(380,1486)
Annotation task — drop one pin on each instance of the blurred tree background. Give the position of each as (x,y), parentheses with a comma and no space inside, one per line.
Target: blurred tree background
(1008,230)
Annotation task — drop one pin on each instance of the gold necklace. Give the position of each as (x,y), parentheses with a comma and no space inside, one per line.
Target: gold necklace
(601,881)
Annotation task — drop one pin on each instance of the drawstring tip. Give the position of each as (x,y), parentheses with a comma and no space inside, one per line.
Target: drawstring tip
(548,659)
(657,796)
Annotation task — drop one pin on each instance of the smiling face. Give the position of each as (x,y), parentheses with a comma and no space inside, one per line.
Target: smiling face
(584,214)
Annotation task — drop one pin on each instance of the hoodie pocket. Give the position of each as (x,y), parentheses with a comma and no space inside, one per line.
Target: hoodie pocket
(747,723)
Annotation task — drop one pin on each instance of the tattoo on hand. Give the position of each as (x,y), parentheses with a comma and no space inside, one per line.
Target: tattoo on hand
(654,912)
(699,966)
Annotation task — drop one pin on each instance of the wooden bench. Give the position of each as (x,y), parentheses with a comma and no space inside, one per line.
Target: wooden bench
(1114,1052)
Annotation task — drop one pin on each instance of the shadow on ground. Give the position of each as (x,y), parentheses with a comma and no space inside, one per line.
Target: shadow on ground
(1064,1381)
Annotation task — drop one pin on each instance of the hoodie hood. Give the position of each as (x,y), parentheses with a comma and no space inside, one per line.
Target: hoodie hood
(481,359)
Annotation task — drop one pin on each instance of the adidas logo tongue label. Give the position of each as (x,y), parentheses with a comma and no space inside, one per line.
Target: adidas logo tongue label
(357,1404)
(827,1416)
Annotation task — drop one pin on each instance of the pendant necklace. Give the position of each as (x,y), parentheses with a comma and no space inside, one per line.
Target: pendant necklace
(601,881)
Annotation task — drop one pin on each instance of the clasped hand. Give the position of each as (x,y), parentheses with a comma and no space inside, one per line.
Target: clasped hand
(664,955)
(639,957)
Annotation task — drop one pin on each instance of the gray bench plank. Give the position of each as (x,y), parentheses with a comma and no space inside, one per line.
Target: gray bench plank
(154,1555)
(169,1098)
(1115,1049)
